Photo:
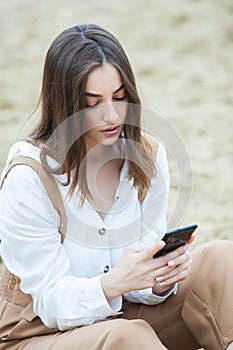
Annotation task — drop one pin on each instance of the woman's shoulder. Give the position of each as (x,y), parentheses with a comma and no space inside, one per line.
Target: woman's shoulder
(157,148)
(21,174)
(23,148)
(26,176)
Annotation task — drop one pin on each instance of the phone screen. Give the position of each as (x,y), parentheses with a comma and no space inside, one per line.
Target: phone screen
(176,238)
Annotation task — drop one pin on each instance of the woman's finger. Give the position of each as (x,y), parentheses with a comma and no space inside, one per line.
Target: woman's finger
(179,260)
(176,252)
(176,275)
(152,250)
(176,279)
(169,265)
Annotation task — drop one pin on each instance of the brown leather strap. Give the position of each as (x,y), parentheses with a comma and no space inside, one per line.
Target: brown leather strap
(50,185)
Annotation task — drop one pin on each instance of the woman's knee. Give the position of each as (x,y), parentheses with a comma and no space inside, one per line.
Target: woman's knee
(213,262)
(135,334)
(217,252)
(125,328)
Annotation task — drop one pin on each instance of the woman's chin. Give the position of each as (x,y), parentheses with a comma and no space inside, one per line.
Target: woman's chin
(109,141)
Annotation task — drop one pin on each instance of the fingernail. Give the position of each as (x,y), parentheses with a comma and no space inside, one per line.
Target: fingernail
(162,283)
(161,243)
(160,278)
(171,263)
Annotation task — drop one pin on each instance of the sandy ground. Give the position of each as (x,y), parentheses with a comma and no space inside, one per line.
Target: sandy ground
(182,54)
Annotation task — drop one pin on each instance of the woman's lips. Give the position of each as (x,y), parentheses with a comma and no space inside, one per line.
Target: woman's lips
(110,132)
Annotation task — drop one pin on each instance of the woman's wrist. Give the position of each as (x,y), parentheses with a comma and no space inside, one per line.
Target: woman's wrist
(163,291)
(111,285)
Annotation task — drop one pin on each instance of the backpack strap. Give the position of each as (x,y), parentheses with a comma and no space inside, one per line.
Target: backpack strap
(50,185)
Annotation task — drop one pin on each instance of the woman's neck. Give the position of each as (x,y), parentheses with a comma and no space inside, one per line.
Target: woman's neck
(102,154)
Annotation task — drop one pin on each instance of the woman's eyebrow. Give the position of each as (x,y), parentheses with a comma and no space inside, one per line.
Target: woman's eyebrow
(97,95)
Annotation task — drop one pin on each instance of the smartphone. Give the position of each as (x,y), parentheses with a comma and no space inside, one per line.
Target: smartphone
(176,238)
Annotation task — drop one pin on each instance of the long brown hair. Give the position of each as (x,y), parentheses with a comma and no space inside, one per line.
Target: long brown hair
(70,58)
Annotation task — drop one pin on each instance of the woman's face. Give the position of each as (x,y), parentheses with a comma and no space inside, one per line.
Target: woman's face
(106,106)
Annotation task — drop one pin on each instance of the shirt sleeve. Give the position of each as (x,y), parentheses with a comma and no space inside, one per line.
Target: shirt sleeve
(31,249)
(154,222)
(147,297)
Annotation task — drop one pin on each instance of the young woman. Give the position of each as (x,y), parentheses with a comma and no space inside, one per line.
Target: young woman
(83,276)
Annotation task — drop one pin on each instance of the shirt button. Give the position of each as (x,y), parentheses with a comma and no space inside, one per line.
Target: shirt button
(102,231)
(106,269)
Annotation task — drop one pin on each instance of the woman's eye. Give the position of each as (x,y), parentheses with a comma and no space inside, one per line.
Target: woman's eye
(114,98)
(120,98)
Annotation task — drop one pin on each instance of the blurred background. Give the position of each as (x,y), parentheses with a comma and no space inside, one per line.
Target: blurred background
(182,55)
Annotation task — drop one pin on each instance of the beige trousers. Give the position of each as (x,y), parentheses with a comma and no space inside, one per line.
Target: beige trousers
(199,315)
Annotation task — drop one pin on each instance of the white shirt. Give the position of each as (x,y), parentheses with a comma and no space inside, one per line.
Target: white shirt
(64,279)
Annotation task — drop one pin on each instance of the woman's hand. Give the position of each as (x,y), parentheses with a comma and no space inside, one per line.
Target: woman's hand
(136,269)
(175,267)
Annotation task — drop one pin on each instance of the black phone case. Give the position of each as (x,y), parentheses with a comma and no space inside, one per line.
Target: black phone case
(175,239)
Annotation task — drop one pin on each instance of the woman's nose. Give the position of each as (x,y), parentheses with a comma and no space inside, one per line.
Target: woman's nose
(110,114)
